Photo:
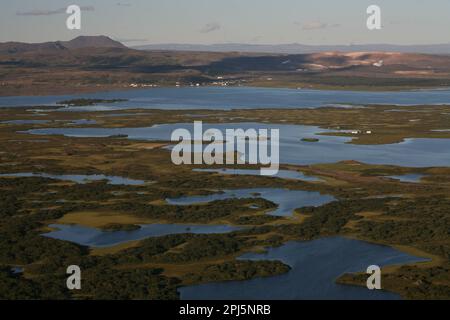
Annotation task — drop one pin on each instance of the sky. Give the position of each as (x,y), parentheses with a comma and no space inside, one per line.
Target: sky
(317,22)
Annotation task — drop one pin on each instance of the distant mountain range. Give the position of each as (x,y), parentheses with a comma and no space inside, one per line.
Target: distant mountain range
(296,48)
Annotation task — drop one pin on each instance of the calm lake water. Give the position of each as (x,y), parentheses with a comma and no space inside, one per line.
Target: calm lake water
(19,122)
(78,178)
(286,200)
(233,98)
(412,178)
(93,237)
(329,149)
(315,267)
(17,270)
(283,174)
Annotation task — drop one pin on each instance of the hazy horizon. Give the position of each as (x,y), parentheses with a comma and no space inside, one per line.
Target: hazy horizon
(205,22)
(234,43)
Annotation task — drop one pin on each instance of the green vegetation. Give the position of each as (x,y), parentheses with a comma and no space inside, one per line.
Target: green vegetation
(103,283)
(202,213)
(237,270)
(412,282)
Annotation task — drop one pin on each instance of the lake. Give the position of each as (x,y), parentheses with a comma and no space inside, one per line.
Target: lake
(78,178)
(93,237)
(219,98)
(282,174)
(315,266)
(411,178)
(20,122)
(286,200)
(329,149)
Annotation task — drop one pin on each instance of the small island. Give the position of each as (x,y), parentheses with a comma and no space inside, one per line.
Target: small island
(88,102)
(310,140)
(111,227)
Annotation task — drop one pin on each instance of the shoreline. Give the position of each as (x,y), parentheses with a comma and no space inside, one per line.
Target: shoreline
(63,91)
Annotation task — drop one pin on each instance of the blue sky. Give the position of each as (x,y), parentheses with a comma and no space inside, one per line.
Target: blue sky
(222,21)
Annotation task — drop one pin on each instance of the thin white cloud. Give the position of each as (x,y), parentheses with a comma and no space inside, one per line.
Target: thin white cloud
(210,27)
(317,25)
(37,12)
(123,4)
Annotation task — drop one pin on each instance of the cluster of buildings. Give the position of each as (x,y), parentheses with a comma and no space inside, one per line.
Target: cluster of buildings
(142,85)
(360,132)
(220,81)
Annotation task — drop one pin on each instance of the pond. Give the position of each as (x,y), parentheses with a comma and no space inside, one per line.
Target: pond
(286,200)
(329,149)
(315,266)
(20,122)
(78,178)
(282,174)
(411,178)
(93,237)
(234,98)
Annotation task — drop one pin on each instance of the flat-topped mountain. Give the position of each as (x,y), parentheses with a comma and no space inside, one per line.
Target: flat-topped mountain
(77,43)
(92,42)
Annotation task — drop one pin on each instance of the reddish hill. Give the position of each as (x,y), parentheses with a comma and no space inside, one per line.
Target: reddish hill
(51,47)
(92,42)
